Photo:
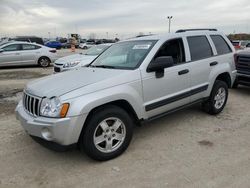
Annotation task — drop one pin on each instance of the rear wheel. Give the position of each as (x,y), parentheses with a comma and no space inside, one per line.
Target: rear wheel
(218,98)
(107,134)
(44,62)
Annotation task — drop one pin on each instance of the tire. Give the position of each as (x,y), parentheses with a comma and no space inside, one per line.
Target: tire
(85,47)
(99,139)
(213,106)
(44,62)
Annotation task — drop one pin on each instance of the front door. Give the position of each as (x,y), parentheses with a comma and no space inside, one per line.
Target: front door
(11,55)
(172,89)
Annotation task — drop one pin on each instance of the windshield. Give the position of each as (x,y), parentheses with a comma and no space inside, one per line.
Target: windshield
(124,55)
(96,50)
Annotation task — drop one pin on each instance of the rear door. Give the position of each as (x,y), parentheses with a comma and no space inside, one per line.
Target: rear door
(30,53)
(11,55)
(224,53)
(202,60)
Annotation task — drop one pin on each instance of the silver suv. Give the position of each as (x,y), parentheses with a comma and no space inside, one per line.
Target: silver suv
(96,107)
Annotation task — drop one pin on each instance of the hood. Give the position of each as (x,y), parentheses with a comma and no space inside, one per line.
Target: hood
(75,57)
(60,84)
(244,52)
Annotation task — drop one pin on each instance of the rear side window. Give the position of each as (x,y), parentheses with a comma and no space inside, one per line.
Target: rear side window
(199,47)
(30,47)
(220,44)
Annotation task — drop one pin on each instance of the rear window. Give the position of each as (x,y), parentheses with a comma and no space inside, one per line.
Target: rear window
(199,47)
(220,44)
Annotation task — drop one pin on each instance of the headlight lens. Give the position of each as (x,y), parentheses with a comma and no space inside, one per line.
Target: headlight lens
(52,107)
(71,64)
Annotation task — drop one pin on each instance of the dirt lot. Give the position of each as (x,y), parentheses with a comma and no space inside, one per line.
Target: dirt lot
(185,149)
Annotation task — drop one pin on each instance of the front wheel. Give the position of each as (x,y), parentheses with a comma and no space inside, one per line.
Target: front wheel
(107,134)
(217,99)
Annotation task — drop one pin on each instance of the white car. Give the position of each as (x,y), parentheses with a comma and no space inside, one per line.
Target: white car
(86,45)
(135,81)
(79,60)
(25,53)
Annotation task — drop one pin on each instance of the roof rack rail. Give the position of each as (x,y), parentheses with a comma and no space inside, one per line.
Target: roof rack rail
(184,30)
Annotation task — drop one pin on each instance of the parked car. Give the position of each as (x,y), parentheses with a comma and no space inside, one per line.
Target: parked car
(24,53)
(79,60)
(87,44)
(54,44)
(133,81)
(66,45)
(243,68)
(248,46)
(32,39)
(239,45)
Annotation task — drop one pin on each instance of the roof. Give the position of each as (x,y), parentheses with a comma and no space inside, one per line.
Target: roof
(174,35)
(18,42)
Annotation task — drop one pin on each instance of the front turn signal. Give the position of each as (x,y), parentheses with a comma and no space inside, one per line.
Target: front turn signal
(64,110)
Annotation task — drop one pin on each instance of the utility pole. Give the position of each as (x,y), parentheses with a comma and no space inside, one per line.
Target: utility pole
(169,22)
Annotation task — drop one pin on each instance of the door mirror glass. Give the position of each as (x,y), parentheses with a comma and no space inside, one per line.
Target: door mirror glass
(160,63)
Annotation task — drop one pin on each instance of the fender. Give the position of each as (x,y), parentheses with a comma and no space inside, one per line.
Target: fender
(220,69)
(84,104)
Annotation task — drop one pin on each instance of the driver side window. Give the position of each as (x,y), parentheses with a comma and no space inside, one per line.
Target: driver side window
(12,47)
(173,48)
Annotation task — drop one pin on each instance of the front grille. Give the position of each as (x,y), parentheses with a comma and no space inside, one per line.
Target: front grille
(31,104)
(57,69)
(243,65)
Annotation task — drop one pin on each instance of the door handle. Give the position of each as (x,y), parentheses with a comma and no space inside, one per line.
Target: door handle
(213,63)
(185,71)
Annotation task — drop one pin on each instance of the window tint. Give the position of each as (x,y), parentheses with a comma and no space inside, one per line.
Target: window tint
(221,45)
(173,48)
(248,45)
(12,47)
(199,47)
(29,47)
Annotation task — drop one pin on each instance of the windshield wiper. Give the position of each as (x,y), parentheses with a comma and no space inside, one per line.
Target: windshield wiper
(103,66)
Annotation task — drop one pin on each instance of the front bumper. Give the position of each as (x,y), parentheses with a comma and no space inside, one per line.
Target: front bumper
(59,68)
(64,131)
(243,79)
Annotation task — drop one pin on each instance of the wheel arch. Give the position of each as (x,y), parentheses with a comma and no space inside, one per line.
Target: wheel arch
(124,104)
(226,78)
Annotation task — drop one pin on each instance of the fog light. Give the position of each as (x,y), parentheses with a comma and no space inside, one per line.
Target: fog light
(46,133)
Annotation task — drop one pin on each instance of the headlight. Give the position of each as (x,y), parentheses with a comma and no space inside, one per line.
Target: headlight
(53,108)
(71,64)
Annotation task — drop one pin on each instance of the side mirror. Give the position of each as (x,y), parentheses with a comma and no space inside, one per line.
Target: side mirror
(159,64)
(1,50)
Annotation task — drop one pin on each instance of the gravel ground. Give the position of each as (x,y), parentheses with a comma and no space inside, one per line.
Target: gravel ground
(186,149)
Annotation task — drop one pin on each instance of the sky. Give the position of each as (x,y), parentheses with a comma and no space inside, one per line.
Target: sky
(121,18)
